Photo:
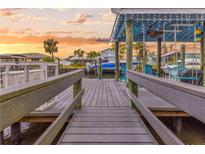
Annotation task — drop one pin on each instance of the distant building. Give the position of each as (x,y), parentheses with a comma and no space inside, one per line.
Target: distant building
(27,57)
(108,55)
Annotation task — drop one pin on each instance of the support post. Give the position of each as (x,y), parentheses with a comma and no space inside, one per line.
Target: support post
(183,55)
(159,58)
(56,70)
(129,42)
(6,79)
(133,87)
(203,55)
(178,124)
(100,68)
(45,71)
(1,137)
(26,70)
(16,133)
(42,71)
(117,62)
(77,87)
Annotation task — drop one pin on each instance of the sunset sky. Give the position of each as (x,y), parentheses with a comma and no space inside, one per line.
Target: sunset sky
(24,30)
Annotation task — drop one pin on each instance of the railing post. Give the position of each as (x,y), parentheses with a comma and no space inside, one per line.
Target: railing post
(42,71)
(77,87)
(133,87)
(57,70)
(26,70)
(45,71)
(16,133)
(6,78)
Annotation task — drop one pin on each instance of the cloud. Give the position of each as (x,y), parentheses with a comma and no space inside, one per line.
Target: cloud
(107,17)
(36,18)
(79,19)
(4,30)
(11,13)
(7,12)
(8,39)
(61,32)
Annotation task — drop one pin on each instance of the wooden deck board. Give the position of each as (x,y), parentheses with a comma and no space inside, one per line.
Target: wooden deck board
(108,93)
(106,125)
(102,138)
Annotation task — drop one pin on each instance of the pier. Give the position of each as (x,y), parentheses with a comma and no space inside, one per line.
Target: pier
(110,111)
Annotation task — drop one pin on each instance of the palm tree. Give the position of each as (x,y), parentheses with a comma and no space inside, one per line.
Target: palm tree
(79,53)
(122,51)
(139,48)
(50,46)
(164,48)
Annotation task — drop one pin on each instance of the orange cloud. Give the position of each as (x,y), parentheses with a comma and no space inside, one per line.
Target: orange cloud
(7,12)
(5,39)
(80,19)
(4,30)
(36,18)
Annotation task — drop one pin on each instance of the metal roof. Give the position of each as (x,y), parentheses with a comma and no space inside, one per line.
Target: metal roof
(175,24)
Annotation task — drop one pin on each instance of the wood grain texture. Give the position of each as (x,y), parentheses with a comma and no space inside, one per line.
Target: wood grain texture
(188,98)
(16,102)
(105,125)
(49,135)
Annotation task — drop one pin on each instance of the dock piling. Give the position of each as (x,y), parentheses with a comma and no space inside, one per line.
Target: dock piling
(1,137)
(183,55)
(16,133)
(129,42)
(117,63)
(203,55)
(178,124)
(159,58)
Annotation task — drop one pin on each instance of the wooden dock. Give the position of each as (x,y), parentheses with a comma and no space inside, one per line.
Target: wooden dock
(106,125)
(104,93)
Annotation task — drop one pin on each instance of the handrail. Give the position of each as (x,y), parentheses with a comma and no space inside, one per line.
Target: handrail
(188,98)
(51,132)
(17,101)
(165,134)
(27,63)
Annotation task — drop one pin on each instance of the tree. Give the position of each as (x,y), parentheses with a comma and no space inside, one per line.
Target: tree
(79,53)
(164,48)
(50,46)
(122,49)
(139,49)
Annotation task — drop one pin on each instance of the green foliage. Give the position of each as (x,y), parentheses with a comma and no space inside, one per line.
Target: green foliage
(79,53)
(164,48)
(93,54)
(48,59)
(50,46)
(139,48)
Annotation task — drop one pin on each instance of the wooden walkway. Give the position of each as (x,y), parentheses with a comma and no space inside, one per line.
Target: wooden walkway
(107,93)
(105,118)
(106,125)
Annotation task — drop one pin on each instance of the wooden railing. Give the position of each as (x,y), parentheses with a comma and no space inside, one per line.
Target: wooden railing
(11,71)
(18,101)
(188,98)
(134,80)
